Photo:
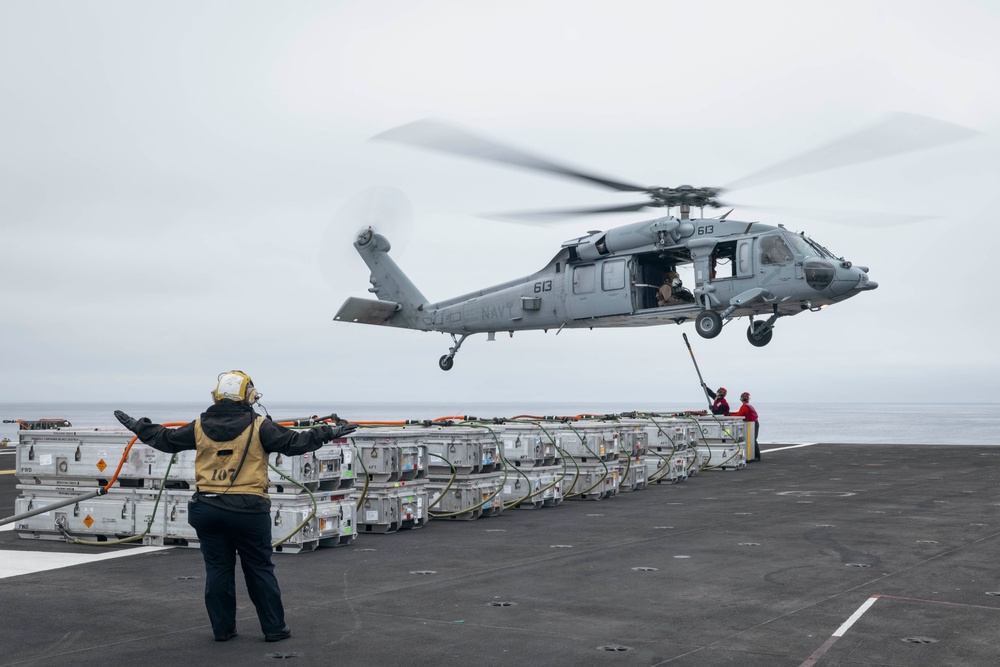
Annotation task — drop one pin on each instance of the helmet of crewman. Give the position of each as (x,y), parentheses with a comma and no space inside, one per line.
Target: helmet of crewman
(235,386)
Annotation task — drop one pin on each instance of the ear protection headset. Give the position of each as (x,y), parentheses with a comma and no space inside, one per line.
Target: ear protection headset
(235,386)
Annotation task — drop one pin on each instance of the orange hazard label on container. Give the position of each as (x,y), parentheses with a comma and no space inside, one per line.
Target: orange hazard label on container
(88,521)
(101,465)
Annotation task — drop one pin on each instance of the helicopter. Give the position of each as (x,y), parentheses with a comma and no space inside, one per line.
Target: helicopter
(628,276)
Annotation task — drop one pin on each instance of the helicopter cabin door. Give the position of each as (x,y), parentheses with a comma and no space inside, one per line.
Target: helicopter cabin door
(599,289)
(732,268)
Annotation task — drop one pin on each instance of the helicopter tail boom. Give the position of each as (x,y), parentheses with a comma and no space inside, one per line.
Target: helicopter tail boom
(399,301)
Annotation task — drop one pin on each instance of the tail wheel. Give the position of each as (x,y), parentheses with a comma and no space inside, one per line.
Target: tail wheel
(446,362)
(759,334)
(708,324)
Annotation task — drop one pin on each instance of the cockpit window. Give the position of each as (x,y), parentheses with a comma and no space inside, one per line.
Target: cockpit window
(774,250)
(802,246)
(807,247)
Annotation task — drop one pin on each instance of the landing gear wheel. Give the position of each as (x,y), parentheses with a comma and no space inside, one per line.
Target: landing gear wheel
(708,324)
(759,334)
(446,362)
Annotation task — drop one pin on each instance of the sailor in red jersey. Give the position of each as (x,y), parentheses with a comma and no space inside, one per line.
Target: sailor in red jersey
(720,406)
(749,414)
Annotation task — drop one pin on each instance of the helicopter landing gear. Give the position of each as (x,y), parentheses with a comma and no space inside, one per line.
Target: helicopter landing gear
(759,334)
(448,360)
(708,324)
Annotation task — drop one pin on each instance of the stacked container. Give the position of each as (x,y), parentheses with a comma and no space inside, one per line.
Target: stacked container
(535,468)
(394,495)
(467,474)
(153,489)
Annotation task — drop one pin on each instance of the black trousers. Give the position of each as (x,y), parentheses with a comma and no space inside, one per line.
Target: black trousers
(223,535)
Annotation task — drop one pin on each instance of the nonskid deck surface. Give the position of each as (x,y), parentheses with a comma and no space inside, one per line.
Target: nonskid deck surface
(827,554)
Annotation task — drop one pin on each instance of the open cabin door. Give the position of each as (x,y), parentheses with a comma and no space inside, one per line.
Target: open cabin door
(600,288)
(732,268)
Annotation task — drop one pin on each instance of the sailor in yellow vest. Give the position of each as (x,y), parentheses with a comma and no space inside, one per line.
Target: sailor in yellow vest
(231,511)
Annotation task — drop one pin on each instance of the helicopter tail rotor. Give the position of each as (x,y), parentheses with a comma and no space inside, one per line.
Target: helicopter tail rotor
(383,208)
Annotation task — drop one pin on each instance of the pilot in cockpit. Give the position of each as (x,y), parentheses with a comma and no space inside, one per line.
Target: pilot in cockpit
(773,250)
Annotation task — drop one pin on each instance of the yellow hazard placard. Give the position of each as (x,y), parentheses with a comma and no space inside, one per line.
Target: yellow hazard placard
(101,465)
(88,521)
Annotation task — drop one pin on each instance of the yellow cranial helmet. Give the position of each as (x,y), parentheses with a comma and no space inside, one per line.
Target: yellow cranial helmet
(235,386)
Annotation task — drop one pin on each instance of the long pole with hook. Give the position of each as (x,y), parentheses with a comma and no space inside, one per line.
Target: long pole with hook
(696,369)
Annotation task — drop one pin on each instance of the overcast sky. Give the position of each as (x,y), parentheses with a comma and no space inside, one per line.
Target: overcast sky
(172,174)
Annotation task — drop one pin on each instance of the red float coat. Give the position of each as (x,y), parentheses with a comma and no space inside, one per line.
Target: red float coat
(747,412)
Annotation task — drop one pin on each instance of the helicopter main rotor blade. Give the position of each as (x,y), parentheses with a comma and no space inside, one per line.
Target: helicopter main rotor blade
(896,134)
(867,219)
(558,214)
(440,136)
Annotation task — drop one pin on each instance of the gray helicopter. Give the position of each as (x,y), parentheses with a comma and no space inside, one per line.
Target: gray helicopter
(630,275)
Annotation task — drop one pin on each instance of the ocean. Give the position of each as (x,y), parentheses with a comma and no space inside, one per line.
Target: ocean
(875,423)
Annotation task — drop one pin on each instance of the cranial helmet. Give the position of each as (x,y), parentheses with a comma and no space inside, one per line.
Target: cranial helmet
(235,386)
(722,392)
(676,282)
(744,397)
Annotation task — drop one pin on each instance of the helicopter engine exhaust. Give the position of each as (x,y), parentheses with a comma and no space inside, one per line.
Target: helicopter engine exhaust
(618,239)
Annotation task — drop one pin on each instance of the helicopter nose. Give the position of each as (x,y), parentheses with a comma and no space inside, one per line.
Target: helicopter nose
(851,280)
(864,284)
(837,280)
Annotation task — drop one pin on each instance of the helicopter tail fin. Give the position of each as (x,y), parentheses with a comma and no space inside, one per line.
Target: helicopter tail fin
(367,311)
(399,301)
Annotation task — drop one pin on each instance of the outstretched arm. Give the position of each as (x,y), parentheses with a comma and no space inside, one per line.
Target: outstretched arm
(170,440)
(276,438)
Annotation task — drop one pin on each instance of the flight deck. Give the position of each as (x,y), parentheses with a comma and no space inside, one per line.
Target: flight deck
(821,554)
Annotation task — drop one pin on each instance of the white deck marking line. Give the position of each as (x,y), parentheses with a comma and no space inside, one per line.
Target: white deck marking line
(811,660)
(855,616)
(778,449)
(16,563)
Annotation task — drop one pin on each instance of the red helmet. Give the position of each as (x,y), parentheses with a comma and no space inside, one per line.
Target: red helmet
(721,392)
(744,397)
